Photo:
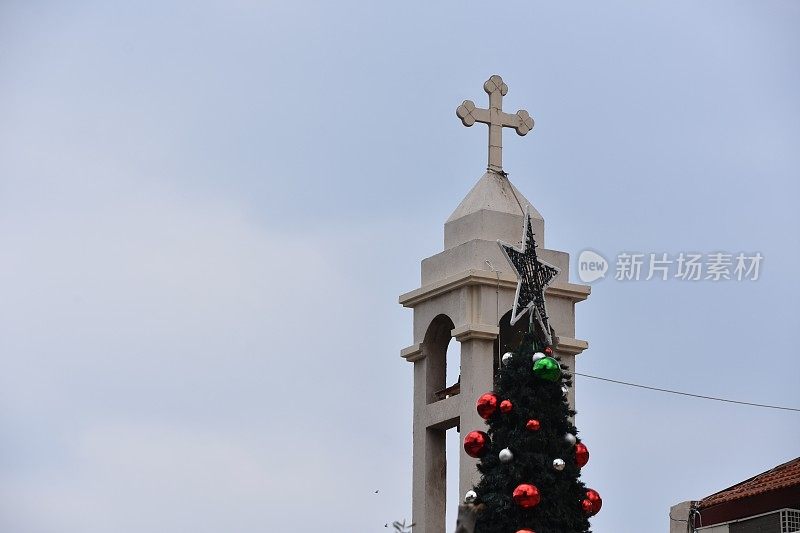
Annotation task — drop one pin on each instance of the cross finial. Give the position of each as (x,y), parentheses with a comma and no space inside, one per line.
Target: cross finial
(495,118)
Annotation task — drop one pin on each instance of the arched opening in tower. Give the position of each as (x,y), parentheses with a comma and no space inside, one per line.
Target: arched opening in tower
(444,359)
(510,337)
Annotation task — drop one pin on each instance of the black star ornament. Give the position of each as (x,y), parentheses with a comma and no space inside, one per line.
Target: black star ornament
(534,276)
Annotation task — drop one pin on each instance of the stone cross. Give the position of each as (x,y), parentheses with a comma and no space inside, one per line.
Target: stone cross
(495,118)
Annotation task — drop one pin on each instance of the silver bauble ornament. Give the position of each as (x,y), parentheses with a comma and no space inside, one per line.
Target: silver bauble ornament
(559,464)
(570,439)
(538,355)
(564,390)
(507,357)
(470,496)
(505,455)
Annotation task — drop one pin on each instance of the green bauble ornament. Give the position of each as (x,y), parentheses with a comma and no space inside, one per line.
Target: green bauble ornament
(547,368)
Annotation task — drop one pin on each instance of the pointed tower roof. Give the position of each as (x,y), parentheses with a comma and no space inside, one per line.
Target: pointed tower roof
(493,192)
(492,210)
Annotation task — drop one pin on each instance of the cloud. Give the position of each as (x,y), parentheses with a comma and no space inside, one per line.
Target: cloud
(130,477)
(156,350)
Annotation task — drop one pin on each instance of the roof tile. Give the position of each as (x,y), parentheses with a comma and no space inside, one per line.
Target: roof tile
(782,476)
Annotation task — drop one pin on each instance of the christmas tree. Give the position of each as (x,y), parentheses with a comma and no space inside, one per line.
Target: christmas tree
(530,456)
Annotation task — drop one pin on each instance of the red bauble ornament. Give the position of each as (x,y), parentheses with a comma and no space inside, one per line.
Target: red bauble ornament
(475,443)
(581,455)
(526,496)
(548,351)
(506,406)
(533,425)
(587,507)
(594,497)
(487,405)
(525,531)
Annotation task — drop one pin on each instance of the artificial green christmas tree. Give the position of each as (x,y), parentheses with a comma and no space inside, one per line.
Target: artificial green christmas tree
(531,455)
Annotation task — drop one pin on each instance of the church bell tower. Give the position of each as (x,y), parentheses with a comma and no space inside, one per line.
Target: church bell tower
(466,293)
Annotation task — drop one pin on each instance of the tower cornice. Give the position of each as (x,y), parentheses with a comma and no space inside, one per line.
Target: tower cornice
(570,291)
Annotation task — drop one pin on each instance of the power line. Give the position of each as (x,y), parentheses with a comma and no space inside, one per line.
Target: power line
(688,394)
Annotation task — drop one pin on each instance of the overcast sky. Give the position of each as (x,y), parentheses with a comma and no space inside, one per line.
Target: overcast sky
(208,210)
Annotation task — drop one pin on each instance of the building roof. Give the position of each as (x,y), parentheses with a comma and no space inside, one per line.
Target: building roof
(493,192)
(781,477)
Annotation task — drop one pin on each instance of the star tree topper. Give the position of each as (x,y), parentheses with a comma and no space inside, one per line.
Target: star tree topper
(534,276)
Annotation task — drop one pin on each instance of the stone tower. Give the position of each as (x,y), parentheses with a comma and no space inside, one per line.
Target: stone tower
(466,293)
